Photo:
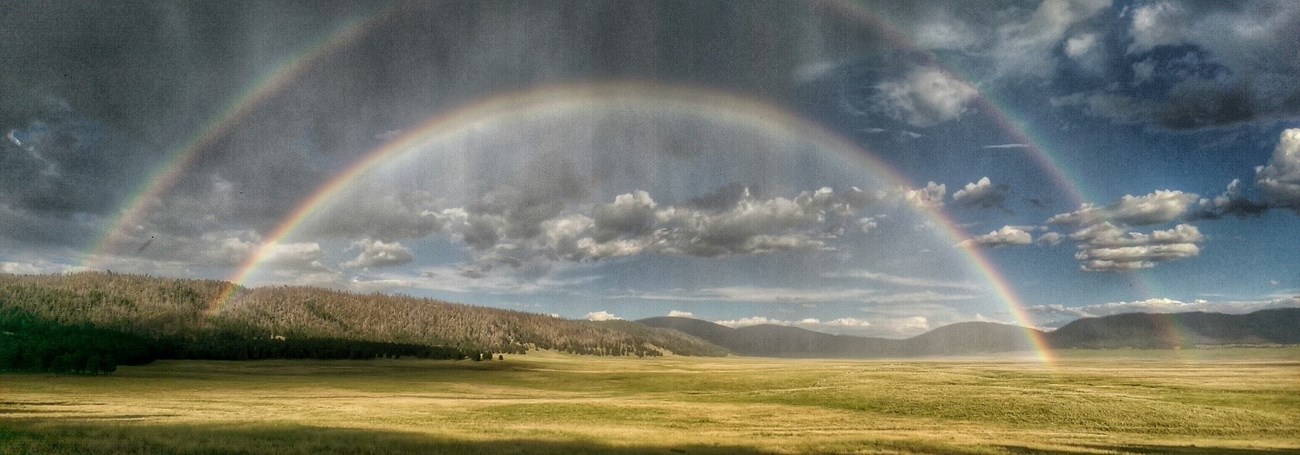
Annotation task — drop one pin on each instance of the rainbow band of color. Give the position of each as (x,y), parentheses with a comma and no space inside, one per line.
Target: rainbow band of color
(529,102)
(165,176)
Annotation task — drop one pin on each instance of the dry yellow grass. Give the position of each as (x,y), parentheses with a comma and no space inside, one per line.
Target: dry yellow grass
(1219,401)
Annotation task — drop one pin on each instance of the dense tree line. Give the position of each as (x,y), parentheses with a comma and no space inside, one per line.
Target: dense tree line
(31,344)
(28,343)
(182,315)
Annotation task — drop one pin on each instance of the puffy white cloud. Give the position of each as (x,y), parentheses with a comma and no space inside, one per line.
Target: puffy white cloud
(1050,238)
(221,248)
(1158,207)
(906,326)
(1079,46)
(1007,235)
(924,96)
(1108,248)
(981,194)
(602,316)
(680,314)
(1109,235)
(866,224)
(301,255)
(377,253)
(1280,178)
(753,320)
(929,197)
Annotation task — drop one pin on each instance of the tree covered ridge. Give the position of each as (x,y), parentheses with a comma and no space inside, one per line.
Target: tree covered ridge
(183,315)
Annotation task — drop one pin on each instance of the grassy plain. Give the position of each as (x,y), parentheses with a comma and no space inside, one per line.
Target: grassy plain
(1234,401)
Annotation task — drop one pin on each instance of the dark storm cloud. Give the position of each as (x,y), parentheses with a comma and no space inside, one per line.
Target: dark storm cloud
(1231,203)
(1191,65)
(150,77)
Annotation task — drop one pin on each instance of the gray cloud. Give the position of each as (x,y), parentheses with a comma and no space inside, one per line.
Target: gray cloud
(983,194)
(97,95)
(631,214)
(1231,62)
(1230,203)
(377,253)
(923,97)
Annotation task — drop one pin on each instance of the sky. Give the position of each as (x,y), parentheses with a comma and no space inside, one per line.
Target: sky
(855,167)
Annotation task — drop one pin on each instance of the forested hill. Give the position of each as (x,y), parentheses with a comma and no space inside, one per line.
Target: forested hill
(178,311)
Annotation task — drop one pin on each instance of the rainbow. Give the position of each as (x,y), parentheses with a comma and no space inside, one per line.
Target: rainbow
(1047,161)
(534,101)
(165,175)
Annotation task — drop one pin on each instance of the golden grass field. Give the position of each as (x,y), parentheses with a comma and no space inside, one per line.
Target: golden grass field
(1235,401)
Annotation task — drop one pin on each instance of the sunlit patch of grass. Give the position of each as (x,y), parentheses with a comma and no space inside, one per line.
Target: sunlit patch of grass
(547,402)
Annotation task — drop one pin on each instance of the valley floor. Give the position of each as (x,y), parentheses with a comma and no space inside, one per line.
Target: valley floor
(1234,401)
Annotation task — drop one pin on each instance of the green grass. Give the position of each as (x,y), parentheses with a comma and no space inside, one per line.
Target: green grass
(1242,401)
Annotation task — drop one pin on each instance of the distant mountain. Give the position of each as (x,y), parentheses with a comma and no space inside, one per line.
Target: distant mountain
(1134,330)
(785,341)
(1146,330)
(972,338)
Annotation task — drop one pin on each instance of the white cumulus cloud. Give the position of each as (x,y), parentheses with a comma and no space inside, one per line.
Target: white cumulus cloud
(602,316)
(1007,235)
(1280,178)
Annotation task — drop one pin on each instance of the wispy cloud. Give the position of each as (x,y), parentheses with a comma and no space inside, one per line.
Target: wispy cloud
(743,294)
(905,281)
(1005,146)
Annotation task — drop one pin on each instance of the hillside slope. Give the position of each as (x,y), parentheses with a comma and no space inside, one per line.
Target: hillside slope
(1146,330)
(179,309)
(783,341)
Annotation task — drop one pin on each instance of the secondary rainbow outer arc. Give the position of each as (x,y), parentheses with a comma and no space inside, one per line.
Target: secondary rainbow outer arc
(696,100)
(1000,114)
(1004,117)
(165,175)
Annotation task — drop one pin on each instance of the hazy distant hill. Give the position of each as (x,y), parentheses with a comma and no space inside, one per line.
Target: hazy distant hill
(783,341)
(181,311)
(1145,330)
(1136,330)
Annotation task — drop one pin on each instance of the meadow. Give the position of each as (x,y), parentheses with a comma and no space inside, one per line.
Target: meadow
(1234,401)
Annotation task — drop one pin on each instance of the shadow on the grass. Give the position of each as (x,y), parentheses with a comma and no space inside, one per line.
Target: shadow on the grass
(90,437)
(1148,449)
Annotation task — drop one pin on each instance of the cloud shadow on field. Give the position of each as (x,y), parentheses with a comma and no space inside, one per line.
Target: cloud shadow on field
(21,436)
(1149,449)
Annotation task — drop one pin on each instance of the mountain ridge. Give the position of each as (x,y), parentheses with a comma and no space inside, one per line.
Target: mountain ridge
(1129,330)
